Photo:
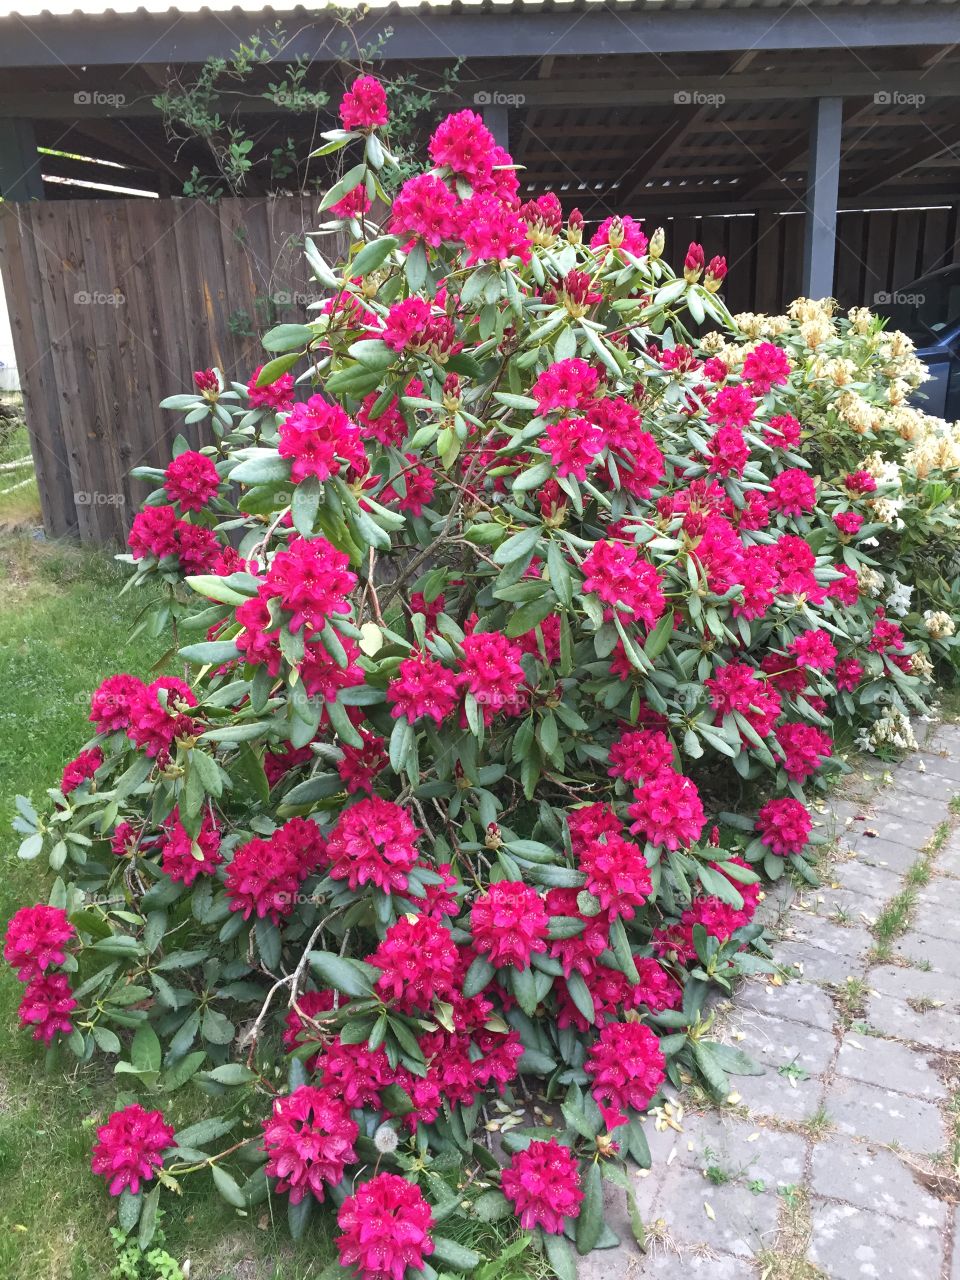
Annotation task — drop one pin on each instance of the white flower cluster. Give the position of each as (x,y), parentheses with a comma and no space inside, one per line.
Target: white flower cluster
(940,626)
(893,729)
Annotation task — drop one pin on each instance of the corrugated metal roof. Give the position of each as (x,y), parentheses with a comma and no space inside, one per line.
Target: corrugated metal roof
(53,9)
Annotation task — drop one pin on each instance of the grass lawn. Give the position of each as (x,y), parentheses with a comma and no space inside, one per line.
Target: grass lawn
(62,629)
(19,499)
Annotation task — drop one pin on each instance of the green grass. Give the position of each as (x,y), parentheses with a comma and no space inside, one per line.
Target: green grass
(62,629)
(19,498)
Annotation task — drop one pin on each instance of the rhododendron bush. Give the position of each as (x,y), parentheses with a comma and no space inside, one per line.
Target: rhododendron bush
(515,628)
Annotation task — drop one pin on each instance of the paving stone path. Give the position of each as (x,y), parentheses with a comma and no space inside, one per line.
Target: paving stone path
(840,1161)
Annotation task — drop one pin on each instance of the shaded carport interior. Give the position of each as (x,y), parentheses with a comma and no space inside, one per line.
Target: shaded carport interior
(674,112)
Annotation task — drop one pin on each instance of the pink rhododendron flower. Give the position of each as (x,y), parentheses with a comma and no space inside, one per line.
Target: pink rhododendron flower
(848,522)
(418,963)
(425,208)
(794,492)
(860,482)
(732,407)
(543,1185)
(573,445)
(364,105)
(412,489)
(784,826)
(36,940)
(276,395)
(509,924)
(804,747)
(620,232)
(81,769)
(319,437)
(627,1067)
(568,384)
(265,875)
(814,649)
(617,574)
(160,716)
(182,857)
(464,144)
(46,1006)
(765,367)
(360,766)
(782,432)
(191,480)
(617,874)
(385,1227)
(374,842)
(423,687)
(311,580)
(640,753)
(492,231)
(849,673)
(667,810)
(729,452)
(309,1142)
(112,705)
(492,673)
(130,1147)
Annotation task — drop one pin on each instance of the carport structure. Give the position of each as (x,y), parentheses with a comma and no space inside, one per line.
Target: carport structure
(816,145)
(665,109)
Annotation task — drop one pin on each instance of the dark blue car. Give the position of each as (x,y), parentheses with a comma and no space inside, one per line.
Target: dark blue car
(928,311)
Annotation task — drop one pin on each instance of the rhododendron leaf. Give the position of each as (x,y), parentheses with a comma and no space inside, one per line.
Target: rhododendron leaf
(30,847)
(734,1060)
(215,589)
(231,1073)
(711,1069)
(298,1215)
(267,937)
(352,178)
(560,1256)
(455,1255)
(351,977)
(145,1051)
(216,1027)
(517,546)
(620,944)
(264,466)
(493,1206)
(228,1187)
(589,1224)
(720,887)
(524,988)
(580,995)
(287,337)
(128,1210)
(176,1076)
(479,975)
(534,1062)
(275,369)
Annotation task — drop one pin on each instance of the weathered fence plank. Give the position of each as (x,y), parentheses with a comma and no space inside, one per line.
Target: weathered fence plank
(114,303)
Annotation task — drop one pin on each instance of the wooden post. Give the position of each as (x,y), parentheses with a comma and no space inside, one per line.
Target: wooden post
(820,200)
(497,120)
(19,163)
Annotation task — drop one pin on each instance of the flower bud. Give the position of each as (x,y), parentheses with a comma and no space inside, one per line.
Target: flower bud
(207,383)
(693,263)
(575,227)
(657,243)
(716,271)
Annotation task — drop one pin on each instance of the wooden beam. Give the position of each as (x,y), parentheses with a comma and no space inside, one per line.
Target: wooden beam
(685,123)
(20,178)
(903,161)
(129,39)
(820,200)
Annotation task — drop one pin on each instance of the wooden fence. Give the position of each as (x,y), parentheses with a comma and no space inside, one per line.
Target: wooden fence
(115,303)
